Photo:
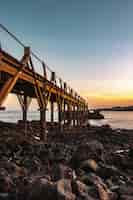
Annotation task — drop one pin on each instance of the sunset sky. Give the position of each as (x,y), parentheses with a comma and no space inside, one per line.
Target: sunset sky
(88,42)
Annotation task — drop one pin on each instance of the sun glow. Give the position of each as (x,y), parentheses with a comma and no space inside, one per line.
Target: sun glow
(111,93)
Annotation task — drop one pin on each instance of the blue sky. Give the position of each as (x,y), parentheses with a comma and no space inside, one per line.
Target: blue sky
(88,42)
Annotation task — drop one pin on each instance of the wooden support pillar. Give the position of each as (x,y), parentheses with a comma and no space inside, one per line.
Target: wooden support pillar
(43,133)
(59,112)
(60,115)
(81,115)
(24,101)
(74,116)
(78,113)
(69,114)
(64,110)
(25,108)
(52,111)
(43,106)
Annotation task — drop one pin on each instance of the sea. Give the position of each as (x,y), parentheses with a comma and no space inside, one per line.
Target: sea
(116,119)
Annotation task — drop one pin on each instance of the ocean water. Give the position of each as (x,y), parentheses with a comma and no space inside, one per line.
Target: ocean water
(116,119)
(15,115)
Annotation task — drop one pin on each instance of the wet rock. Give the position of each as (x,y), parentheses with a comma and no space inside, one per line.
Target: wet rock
(5,184)
(42,189)
(81,190)
(91,150)
(61,171)
(126,190)
(103,194)
(130,153)
(64,190)
(113,196)
(92,179)
(126,197)
(89,165)
(106,171)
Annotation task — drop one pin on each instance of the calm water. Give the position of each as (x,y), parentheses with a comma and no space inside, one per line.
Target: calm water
(15,115)
(115,119)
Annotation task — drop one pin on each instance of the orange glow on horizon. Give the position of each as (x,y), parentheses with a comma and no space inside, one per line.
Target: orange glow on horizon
(96,101)
(109,93)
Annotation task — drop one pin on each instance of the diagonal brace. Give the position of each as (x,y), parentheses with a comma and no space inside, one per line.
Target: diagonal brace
(10,83)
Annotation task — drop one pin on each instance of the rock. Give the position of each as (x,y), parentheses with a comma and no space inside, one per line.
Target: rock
(92,150)
(101,187)
(86,179)
(126,190)
(61,171)
(126,197)
(19,171)
(64,190)
(103,194)
(130,153)
(81,190)
(106,171)
(106,126)
(42,189)
(113,196)
(5,184)
(89,165)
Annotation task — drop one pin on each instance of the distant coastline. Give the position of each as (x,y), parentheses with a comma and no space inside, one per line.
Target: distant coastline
(116,108)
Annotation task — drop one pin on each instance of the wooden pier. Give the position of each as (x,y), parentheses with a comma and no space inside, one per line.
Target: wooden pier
(19,77)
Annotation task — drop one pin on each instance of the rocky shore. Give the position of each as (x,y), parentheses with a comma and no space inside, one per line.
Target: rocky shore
(86,163)
(95,115)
